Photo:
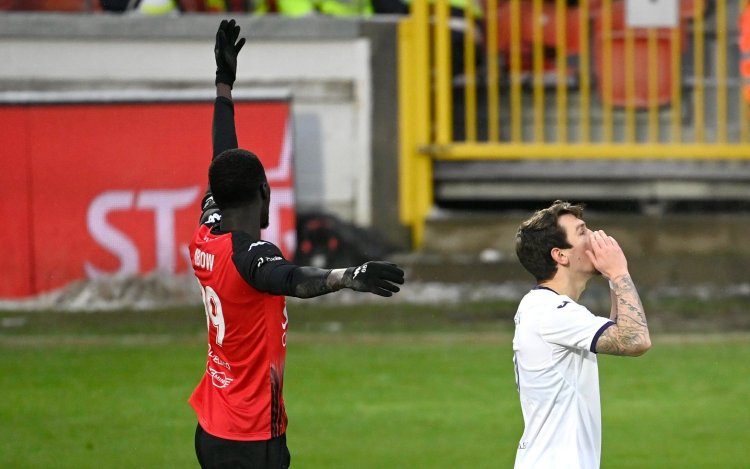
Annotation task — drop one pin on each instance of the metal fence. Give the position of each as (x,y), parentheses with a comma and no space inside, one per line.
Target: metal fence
(533,79)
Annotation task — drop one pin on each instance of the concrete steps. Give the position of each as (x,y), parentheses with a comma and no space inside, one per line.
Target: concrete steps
(667,251)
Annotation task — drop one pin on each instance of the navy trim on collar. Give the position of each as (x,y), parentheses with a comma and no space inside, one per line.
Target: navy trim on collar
(540,287)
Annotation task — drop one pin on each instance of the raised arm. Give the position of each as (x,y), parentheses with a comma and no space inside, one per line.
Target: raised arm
(629,336)
(226,49)
(224,134)
(223,131)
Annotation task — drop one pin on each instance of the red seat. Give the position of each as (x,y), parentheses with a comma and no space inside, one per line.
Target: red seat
(640,72)
(548,21)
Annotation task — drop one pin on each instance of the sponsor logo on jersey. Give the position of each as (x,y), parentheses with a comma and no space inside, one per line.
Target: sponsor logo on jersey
(564,303)
(284,326)
(219,378)
(257,243)
(262,260)
(214,358)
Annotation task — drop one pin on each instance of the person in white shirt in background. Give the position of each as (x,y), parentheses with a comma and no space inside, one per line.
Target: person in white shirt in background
(556,339)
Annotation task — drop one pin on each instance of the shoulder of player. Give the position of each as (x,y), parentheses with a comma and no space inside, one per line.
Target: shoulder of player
(245,245)
(545,297)
(548,302)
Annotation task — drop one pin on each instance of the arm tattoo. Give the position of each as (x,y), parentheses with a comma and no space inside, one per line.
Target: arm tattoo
(630,334)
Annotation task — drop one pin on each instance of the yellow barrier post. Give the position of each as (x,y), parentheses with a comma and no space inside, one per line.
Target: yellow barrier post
(653,78)
(578,151)
(676,63)
(585,70)
(721,70)
(515,71)
(698,96)
(470,73)
(406,104)
(493,90)
(561,64)
(606,36)
(538,58)
(443,78)
(629,86)
(743,107)
(414,87)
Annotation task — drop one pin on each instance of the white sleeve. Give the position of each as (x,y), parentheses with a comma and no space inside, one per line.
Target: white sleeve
(573,325)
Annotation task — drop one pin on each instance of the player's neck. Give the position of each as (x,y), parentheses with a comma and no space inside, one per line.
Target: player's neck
(245,219)
(566,285)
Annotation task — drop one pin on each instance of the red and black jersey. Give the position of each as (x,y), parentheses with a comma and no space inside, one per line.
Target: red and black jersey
(243,283)
(240,394)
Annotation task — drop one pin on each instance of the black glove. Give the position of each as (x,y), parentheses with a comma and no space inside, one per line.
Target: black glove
(375,277)
(226,49)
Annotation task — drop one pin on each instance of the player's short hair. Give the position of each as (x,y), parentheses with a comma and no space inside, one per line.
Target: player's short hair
(235,177)
(539,234)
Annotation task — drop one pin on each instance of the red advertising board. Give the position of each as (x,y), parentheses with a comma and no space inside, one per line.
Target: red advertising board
(102,189)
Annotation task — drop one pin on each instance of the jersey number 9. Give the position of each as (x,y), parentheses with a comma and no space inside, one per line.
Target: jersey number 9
(214,316)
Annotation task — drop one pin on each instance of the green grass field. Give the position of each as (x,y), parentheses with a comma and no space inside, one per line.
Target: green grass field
(366,387)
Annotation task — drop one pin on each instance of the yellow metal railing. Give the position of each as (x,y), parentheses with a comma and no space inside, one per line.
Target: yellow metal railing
(621,98)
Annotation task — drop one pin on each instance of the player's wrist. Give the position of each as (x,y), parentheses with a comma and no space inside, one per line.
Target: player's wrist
(613,279)
(224,91)
(224,78)
(335,279)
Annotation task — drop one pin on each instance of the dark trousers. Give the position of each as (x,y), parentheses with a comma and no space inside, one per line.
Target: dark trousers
(218,453)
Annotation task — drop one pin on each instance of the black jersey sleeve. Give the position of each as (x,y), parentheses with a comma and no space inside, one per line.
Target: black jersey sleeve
(224,133)
(263,266)
(223,137)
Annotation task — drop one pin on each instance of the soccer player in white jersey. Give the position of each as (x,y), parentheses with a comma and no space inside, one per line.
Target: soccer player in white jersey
(557,339)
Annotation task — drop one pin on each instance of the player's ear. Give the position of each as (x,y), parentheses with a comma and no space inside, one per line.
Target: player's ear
(559,256)
(265,190)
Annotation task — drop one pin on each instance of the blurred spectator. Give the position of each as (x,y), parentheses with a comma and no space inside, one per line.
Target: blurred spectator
(71,6)
(298,8)
(293,8)
(393,7)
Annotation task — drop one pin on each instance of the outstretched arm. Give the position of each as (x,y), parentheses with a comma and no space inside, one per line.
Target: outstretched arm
(380,278)
(263,267)
(629,335)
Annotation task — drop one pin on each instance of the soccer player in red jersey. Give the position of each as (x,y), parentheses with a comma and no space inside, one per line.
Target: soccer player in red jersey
(244,281)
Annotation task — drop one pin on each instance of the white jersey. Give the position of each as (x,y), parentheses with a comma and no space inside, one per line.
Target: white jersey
(558,381)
